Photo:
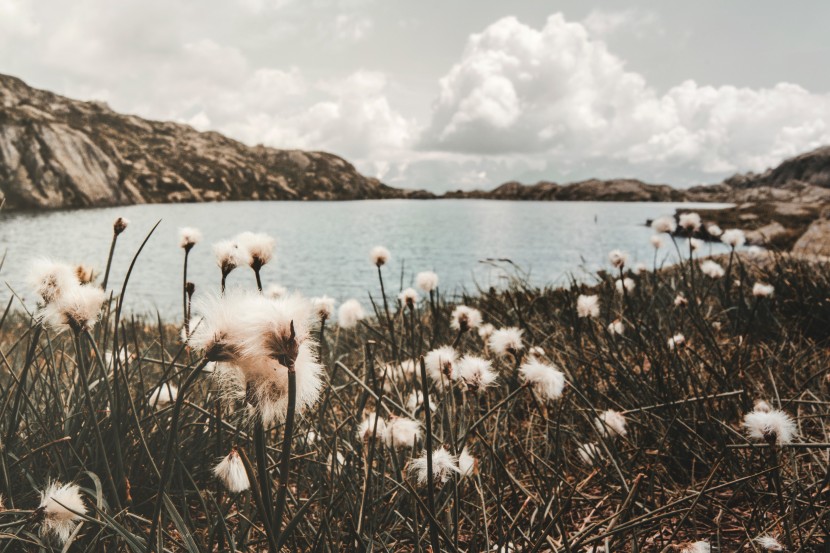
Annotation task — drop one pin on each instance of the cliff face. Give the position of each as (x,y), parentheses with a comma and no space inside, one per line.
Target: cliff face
(56,152)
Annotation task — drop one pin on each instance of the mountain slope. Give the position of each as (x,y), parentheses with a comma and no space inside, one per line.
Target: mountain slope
(615,190)
(56,153)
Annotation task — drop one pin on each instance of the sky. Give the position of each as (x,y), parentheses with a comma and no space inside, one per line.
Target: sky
(457,94)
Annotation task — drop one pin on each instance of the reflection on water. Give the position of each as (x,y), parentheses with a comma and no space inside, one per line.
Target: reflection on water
(323,247)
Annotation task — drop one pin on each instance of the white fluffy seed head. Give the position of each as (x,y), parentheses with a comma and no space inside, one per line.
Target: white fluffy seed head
(440,365)
(768,543)
(275,291)
(546,380)
(379,256)
(762,406)
(485,331)
(664,224)
(689,221)
(323,307)
(372,426)
(696,244)
(587,306)
(467,464)
(231,472)
(465,318)
(624,285)
(408,298)
(228,256)
(255,249)
(50,279)
(773,426)
(189,237)
(618,258)
(61,506)
(733,237)
(416,400)
(427,281)
(402,432)
(163,395)
(714,230)
(616,327)
(589,453)
(680,300)
(712,269)
(76,308)
(656,241)
(697,547)
(476,373)
(676,341)
(350,313)
(762,290)
(611,423)
(506,340)
(444,464)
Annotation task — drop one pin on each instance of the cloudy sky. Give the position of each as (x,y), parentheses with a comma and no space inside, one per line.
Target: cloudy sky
(455,94)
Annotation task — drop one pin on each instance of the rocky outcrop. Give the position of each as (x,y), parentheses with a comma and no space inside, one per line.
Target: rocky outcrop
(56,153)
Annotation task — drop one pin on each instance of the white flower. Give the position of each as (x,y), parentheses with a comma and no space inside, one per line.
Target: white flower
(350,313)
(676,341)
(189,237)
(76,308)
(311,437)
(255,249)
(695,243)
(466,463)
(120,225)
(656,241)
(416,400)
(624,285)
(640,268)
(485,331)
(367,429)
(476,373)
(323,306)
(426,281)
(697,547)
(755,251)
(611,423)
(62,507)
(772,426)
(228,256)
(379,256)
(589,453)
(616,327)
(587,306)
(336,461)
(762,406)
(402,432)
(506,340)
(275,291)
(733,237)
(761,290)
(536,351)
(714,230)
(689,221)
(444,464)
(664,224)
(231,472)
(440,366)
(464,318)
(408,297)
(680,300)
(618,258)
(768,543)
(50,279)
(163,395)
(546,380)
(712,269)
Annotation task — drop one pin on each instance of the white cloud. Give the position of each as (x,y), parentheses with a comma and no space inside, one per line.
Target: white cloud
(558,94)
(602,23)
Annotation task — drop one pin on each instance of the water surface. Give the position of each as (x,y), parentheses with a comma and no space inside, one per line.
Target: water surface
(323,247)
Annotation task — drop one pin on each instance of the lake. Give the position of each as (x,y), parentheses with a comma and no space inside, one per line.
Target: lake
(323,247)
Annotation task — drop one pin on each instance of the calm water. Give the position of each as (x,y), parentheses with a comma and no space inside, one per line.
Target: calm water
(323,247)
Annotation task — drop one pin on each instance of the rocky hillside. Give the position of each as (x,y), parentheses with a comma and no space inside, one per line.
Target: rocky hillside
(617,190)
(56,153)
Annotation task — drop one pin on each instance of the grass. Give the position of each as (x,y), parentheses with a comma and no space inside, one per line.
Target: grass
(684,471)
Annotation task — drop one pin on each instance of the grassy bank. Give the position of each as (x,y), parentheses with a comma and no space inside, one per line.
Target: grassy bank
(679,357)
